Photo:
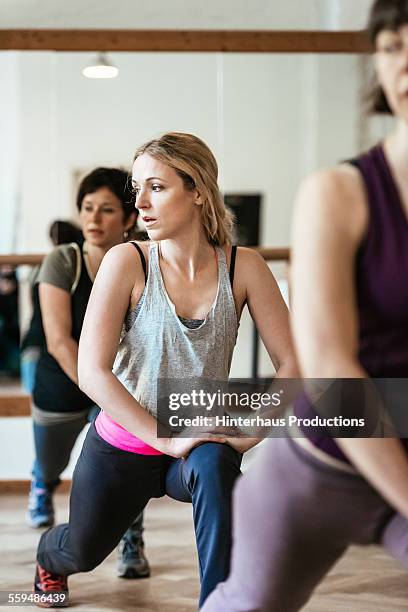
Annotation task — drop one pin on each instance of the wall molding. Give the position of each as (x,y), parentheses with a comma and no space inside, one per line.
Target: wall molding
(227,41)
(14,404)
(268,253)
(14,487)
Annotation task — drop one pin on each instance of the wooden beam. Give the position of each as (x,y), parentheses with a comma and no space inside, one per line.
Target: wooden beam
(268,253)
(273,254)
(21,260)
(10,487)
(227,41)
(15,405)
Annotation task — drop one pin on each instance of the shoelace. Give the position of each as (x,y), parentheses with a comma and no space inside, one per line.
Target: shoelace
(52,582)
(130,547)
(41,500)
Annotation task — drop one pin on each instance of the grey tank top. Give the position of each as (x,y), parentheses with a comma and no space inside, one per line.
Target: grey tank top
(158,345)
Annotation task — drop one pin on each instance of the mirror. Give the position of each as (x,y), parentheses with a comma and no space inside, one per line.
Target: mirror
(269,118)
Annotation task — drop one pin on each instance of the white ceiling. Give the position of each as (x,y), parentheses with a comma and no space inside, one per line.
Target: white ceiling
(185,14)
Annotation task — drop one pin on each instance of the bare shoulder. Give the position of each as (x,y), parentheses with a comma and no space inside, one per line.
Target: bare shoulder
(123,261)
(247,261)
(144,246)
(244,254)
(251,273)
(344,178)
(250,259)
(335,197)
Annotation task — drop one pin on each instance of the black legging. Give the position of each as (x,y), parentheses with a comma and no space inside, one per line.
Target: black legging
(111,486)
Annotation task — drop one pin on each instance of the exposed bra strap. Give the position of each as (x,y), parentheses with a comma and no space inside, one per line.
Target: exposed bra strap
(232,262)
(142,258)
(232,265)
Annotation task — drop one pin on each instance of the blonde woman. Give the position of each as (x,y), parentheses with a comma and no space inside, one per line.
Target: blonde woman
(165,309)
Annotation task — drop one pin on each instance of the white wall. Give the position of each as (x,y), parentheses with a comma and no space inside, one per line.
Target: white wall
(229,14)
(17,449)
(72,123)
(276,118)
(9,150)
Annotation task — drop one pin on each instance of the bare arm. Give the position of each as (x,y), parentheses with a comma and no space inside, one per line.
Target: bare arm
(270,315)
(119,277)
(329,225)
(57,321)
(330,221)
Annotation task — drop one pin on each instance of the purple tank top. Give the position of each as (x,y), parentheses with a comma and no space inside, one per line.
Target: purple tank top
(382,273)
(381,284)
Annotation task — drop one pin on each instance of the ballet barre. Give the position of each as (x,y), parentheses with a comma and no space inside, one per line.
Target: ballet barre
(31,259)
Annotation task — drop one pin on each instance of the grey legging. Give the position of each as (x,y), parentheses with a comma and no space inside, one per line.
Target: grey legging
(294,516)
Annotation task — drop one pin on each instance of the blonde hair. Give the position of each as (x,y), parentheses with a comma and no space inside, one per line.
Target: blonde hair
(196,165)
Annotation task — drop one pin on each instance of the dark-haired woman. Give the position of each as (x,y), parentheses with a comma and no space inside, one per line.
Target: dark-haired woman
(350,315)
(61,232)
(60,409)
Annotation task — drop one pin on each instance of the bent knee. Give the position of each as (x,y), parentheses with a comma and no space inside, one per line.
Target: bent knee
(215,461)
(87,563)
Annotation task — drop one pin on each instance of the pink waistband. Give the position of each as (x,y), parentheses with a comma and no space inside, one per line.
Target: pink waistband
(117,436)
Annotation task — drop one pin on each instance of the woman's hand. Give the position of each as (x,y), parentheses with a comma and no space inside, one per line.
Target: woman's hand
(181,447)
(181,443)
(242,445)
(178,446)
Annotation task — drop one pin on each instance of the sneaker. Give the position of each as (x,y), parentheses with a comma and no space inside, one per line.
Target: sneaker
(52,589)
(132,562)
(40,507)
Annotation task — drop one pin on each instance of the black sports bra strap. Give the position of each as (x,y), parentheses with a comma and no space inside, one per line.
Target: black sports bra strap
(232,264)
(142,258)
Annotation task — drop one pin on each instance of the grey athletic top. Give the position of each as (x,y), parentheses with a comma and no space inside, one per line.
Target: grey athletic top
(157,344)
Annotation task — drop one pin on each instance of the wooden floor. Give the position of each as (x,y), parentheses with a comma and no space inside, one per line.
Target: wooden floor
(365,580)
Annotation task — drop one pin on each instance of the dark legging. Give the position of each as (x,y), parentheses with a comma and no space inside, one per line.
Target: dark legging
(53,447)
(111,486)
(294,516)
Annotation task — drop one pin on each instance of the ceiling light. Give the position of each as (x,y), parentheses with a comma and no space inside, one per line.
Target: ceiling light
(102,68)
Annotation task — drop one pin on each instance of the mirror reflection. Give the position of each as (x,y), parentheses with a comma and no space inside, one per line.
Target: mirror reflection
(269,118)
